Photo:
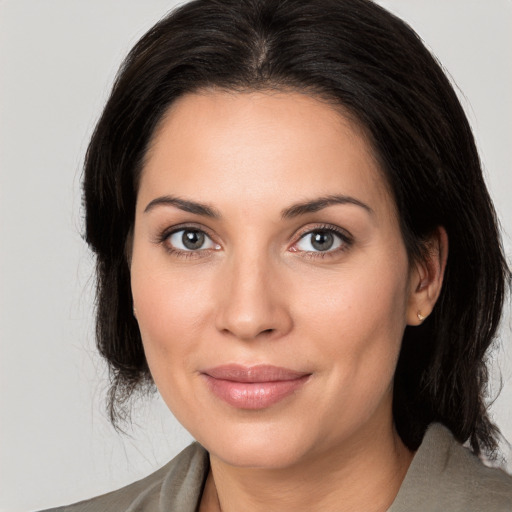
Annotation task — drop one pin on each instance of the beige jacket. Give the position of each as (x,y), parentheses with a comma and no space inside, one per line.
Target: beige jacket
(443,477)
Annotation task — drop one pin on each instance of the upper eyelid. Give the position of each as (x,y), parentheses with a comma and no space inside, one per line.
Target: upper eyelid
(343,233)
(184,227)
(162,236)
(345,237)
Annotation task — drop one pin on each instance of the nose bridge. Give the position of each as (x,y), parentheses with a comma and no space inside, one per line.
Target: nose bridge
(251,305)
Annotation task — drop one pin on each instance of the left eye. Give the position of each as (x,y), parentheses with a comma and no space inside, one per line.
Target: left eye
(190,240)
(321,240)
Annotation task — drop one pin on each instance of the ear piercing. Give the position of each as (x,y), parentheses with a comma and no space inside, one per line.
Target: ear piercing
(420,316)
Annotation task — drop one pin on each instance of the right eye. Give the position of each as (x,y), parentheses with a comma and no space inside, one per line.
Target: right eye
(187,240)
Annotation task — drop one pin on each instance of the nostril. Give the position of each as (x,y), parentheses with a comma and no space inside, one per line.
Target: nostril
(265,332)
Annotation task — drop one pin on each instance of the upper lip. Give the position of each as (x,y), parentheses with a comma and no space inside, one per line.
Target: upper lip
(257,373)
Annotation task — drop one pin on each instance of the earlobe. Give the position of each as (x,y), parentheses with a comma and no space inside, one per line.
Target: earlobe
(427,277)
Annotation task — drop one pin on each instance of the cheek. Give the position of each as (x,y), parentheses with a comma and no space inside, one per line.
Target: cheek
(171,315)
(166,304)
(358,315)
(172,309)
(357,323)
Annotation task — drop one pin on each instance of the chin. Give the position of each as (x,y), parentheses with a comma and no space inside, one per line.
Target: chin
(253,454)
(256,445)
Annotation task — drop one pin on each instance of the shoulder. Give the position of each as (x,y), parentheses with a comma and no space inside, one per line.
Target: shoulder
(175,486)
(444,475)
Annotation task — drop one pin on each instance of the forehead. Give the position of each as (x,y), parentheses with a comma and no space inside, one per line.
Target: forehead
(264,147)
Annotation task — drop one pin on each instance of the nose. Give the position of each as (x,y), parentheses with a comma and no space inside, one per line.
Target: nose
(252,301)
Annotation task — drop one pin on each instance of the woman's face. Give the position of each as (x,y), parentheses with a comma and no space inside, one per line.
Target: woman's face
(269,275)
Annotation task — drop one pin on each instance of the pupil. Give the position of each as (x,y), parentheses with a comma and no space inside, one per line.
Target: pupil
(193,239)
(322,240)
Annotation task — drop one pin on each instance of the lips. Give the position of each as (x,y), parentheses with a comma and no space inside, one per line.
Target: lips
(253,387)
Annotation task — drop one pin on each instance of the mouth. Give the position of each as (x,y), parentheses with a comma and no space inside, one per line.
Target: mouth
(253,387)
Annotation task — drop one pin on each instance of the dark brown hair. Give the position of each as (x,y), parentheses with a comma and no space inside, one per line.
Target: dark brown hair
(374,66)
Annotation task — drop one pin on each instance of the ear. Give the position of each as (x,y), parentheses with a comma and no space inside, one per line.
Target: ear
(128,247)
(426,278)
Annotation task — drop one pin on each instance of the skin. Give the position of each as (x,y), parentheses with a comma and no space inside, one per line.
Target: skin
(258,292)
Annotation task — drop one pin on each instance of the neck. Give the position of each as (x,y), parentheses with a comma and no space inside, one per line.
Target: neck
(363,474)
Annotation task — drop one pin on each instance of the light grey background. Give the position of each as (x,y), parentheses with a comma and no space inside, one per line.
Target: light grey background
(57,62)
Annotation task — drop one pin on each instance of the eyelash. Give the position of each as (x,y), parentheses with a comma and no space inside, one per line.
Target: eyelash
(163,239)
(346,241)
(344,237)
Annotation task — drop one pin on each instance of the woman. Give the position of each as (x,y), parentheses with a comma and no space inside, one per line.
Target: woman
(295,244)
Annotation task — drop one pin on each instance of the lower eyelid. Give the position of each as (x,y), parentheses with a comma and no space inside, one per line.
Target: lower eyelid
(325,255)
(190,254)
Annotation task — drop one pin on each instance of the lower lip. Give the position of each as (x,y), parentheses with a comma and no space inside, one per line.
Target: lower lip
(253,395)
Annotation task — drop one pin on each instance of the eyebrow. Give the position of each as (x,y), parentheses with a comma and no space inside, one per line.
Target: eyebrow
(187,206)
(320,203)
(295,210)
